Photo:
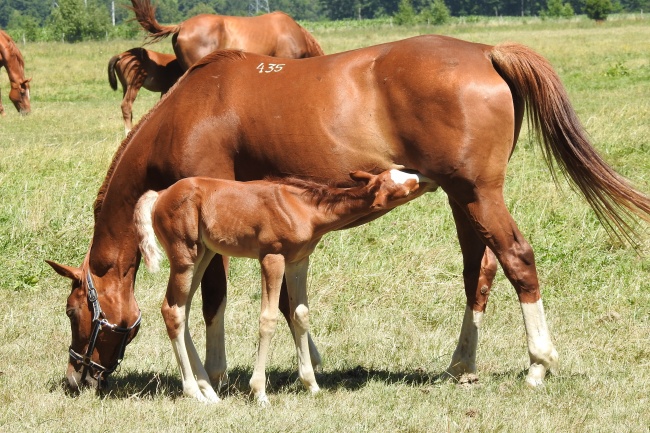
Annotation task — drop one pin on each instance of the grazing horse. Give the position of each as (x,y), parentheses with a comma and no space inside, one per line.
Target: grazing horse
(449,109)
(275,34)
(138,67)
(277,222)
(13,62)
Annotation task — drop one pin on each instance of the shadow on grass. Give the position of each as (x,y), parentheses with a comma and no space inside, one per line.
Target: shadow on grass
(152,385)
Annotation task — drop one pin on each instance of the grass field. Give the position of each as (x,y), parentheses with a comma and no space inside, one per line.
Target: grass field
(386,298)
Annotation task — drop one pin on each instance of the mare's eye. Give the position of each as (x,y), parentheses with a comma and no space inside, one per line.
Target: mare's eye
(70,312)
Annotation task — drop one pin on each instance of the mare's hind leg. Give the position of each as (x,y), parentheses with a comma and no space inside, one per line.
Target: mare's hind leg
(495,226)
(213,291)
(479,269)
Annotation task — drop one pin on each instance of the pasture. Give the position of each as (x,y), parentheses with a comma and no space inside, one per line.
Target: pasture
(386,298)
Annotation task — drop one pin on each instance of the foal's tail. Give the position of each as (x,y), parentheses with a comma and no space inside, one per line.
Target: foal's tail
(313,47)
(145,14)
(112,76)
(566,142)
(144,227)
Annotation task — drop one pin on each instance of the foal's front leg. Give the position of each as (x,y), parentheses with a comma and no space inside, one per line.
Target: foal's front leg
(299,307)
(272,273)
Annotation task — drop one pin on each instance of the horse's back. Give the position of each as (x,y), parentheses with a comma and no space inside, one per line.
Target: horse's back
(416,102)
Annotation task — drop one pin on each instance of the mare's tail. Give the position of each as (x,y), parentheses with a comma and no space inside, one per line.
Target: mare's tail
(565,141)
(313,47)
(144,227)
(112,76)
(145,14)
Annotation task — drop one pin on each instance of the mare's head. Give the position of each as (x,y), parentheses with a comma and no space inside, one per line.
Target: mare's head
(392,188)
(98,338)
(19,95)
(13,62)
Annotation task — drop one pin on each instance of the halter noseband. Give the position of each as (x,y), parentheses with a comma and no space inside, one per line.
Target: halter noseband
(99,324)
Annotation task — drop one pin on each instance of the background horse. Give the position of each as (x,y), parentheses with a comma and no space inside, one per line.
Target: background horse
(279,222)
(12,60)
(275,34)
(138,67)
(449,109)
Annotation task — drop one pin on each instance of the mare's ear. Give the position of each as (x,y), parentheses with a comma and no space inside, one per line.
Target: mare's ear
(361,176)
(66,271)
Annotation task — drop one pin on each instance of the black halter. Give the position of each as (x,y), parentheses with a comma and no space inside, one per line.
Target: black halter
(100,323)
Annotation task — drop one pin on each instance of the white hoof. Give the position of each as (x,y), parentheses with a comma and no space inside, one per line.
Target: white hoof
(263,401)
(536,374)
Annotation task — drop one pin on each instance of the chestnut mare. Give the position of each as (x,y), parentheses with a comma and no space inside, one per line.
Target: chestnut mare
(275,34)
(279,223)
(138,67)
(13,62)
(449,109)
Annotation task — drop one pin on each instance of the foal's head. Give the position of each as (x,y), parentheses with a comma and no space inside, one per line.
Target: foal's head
(392,188)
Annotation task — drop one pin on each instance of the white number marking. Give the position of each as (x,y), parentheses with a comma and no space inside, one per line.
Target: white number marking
(270,67)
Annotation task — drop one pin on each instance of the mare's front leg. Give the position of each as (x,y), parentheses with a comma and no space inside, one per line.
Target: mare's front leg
(272,273)
(479,269)
(494,225)
(183,282)
(297,291)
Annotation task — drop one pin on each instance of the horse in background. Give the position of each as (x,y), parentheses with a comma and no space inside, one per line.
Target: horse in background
(136,68)
(279,222)
(275,34)
(12,60)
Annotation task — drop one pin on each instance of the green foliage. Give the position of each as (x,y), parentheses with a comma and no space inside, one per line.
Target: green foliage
(75,21)
(436,12)
(557,9)
(405,14)
(598,9)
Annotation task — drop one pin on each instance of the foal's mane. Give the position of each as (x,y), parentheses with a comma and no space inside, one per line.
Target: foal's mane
(330,194)
(210,58)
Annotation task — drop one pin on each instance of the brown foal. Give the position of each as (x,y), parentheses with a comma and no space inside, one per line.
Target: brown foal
(279,222)
(136,68)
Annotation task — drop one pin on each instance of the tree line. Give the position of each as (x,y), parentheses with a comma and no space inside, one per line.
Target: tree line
(73,20)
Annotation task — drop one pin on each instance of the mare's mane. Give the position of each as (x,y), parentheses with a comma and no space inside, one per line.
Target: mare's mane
(12,48)
(213,57)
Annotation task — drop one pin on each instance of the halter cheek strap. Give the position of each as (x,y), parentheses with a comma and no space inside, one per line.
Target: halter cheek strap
(100,323)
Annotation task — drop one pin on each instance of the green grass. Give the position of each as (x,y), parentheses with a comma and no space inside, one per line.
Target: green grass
(386,298)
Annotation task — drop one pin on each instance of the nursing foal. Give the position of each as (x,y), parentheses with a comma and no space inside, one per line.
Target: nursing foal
(279,222)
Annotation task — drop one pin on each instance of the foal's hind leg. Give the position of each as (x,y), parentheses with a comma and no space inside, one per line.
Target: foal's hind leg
(495,226)
(479,269)
(296,276)
(213,291)
(183,282)
(285,308)
(127,106)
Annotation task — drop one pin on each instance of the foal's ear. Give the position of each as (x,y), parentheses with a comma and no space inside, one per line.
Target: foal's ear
(360,176)
(66,271)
